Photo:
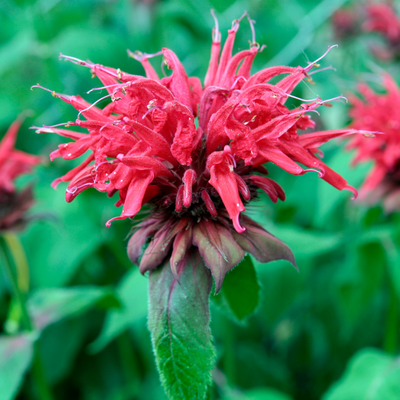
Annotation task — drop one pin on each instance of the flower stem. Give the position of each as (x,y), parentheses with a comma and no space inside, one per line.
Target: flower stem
(11,275)
(15,271)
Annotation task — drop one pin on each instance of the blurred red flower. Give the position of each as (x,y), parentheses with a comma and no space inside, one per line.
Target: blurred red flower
(382,18)
(195,153)
(13,163)
(379,113)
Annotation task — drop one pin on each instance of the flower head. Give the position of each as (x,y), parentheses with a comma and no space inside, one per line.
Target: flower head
(382,18)
(379,113)
(195,152)
(13,163)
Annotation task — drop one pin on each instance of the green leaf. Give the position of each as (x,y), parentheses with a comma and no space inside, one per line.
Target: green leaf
(179,324)
(370,375)
(15,357)
(362,281)
(242,279)
(50,305)
(133,294)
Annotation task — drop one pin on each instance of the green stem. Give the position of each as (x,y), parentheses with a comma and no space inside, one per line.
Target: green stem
(11,276)
(10,271)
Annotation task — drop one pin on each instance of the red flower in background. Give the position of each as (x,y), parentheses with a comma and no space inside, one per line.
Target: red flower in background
(379,113)
(13,163)
(382,18)
(195,152)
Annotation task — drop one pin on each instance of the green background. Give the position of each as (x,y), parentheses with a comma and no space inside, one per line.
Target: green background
(92,302)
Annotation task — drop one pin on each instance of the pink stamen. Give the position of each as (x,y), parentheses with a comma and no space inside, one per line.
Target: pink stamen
(299,98)
(53,93)
(76,188)
(253,31)
(149,110)
(228,152)
(139,56)
(261,49)
(314,64)
(338,98)
(320,173)
(322,69)
(75,60)
(105,87)
(92,105)
(103,162)
(117,122)
(48,128)
(236,22)
(237,80)
(216,35)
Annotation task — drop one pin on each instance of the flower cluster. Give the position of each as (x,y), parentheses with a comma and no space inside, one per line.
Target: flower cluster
(13,163)
(382,18)
(379,112)
(195,152)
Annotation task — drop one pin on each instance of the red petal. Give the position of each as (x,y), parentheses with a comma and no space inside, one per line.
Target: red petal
(224,181)
(213,65)
(276,156)
(134,197)
(178,81)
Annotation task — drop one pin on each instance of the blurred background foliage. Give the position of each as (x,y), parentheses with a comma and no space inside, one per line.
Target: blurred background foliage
(329,332)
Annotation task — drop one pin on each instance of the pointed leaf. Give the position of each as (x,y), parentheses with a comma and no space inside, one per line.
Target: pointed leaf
(262,245)
(49,305)
(179,324)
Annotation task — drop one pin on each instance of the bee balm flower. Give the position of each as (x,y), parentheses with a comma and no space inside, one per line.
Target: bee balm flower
(382,18)
(195,152)
(379,112)
(13,163)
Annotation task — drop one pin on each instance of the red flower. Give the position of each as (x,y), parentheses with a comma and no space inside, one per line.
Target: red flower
(379,113)
(195,153)
(12,164)
(382,18)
